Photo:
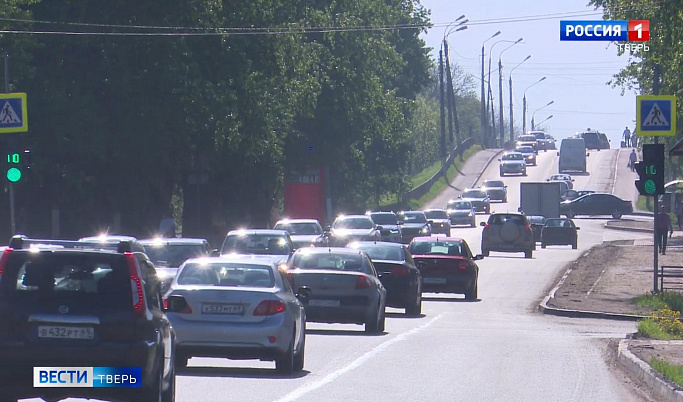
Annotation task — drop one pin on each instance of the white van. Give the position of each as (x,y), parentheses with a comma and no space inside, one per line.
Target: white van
(572,155)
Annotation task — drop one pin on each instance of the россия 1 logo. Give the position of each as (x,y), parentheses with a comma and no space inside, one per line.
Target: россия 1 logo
(611,31)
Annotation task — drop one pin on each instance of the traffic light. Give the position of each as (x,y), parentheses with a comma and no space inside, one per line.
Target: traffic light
(17,164)
(651,170)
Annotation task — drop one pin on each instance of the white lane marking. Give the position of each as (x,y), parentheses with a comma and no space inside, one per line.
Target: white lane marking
(305,389)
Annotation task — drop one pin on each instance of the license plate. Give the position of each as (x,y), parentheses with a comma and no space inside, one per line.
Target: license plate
(434,280)
(45,331)
(324,303)
(214,308)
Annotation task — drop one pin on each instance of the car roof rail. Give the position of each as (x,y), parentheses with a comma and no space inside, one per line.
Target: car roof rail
(19,242)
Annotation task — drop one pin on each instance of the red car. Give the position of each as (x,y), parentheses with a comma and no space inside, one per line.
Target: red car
(446,265)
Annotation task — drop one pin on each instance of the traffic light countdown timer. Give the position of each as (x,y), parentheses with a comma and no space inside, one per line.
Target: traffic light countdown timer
(651,170)
(17,164)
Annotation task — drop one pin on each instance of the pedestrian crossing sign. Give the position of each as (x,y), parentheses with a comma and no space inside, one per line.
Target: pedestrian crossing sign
(13,118)
(655,115)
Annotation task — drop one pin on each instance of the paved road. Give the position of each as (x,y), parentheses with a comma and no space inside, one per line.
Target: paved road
(497,348)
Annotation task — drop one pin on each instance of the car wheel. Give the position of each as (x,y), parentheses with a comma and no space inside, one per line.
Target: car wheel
(155,391)
(616,215)
(168,395)
(524,172)
(485,253)
(528,253)
(285,364)
(471,293)
(448,232)
(372,326)
(474,223)
(574,246)
(542,245)
(299,357)
(505,199)
(180,361)
(502,174)
(416,309)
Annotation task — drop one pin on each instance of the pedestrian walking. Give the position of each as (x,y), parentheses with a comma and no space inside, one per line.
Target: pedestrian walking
(167,226)
(627,137)
(634,139)
(663,225)
(632,159)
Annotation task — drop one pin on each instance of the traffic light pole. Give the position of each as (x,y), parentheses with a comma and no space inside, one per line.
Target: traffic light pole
(655,91)
(13,223)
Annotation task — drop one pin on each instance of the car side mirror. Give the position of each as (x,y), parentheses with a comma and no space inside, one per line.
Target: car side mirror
(478,257)
(215,253)
(588,154)
(558,154)
(303,293)
(430,222)
(577,228)
(328,228)
(500,160)
(380,227)
(400,223)
(482,223)
(421,265)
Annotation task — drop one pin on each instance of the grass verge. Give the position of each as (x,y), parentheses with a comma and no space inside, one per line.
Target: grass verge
(671,371)
(650,328)
(658,301)
(425,174)
(642,204)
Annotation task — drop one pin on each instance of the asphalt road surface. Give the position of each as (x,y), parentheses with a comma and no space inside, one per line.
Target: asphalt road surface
(497,348)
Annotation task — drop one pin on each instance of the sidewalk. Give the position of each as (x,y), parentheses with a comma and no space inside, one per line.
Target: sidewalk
(604,282)
(468,176)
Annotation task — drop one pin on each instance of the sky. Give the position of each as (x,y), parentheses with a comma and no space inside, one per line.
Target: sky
(576,73)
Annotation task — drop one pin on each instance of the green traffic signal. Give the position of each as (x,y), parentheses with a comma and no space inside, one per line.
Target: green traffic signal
(650,187)
(13,175)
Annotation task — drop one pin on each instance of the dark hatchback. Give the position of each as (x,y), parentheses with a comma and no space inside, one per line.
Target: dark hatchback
(397,272)
(413,224)
(446,265)
(167,254)
(71,304)
(559,232)
(596,204)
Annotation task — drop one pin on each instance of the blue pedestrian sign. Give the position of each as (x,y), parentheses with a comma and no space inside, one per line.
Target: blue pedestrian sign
(13,118)
(656,115)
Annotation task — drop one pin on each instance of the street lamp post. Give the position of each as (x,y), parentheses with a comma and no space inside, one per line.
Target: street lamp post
(500,92)
(490,92)
(484,122)
(534,113)
(546,119)
(524,104)
(512,119)
(450,95)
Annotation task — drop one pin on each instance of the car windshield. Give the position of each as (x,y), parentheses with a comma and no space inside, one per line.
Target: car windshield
(526,138)
(559,223)
(353,223)
(536,219)
(513,157)
(494,183)
(413,217)
(539,136)
(299,228)
(474,194)
(525,150)
(256,244)
(436,214)
(173,255)
(227,274)
(454,248)
(380,252)
(384,219)
(331,260)
(459,205)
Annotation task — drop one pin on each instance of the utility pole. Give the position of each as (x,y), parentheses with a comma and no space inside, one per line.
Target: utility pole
(452,101)
(524,116)
(442,137)
(10,146)
(449,95)
(655,91)
(512,121)
(500,100)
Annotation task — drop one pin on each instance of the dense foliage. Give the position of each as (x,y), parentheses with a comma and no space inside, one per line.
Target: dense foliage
(119,124)
(665,55)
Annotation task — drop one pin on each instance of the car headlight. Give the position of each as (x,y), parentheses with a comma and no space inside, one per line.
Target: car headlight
(470,213)
(394,231)
(425,229)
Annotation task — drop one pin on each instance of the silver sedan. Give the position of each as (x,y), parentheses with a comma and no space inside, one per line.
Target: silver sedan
(237,307)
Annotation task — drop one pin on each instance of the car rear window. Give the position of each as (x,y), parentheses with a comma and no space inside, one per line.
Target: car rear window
(436,214)
(501,219)
(376,252)
(340,262)
(513,157)
(459,205)
(173,255)
(384,218)
(256,244)
(437,247)
(227,274)
(353,223)
(95,280)
(413,217)
(474,194)
(299,228)
(494,183)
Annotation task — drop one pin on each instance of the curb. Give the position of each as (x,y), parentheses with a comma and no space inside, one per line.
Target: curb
(628,229)
(643,372)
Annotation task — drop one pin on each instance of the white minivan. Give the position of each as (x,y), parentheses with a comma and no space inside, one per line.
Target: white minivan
(572,155)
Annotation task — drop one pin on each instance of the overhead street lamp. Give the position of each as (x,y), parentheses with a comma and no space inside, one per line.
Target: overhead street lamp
(534,113)
(450,97)
(500,90)
(524,104)
(512,119)
(489,99)
(546,119)
(484,119)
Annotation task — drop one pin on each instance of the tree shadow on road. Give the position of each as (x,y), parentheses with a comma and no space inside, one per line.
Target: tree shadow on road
(340,332)
(449,300)
(237,372)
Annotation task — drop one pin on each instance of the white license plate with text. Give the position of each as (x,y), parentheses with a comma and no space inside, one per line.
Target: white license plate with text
(49,331)
(434,280)
(324,303)
(216,308)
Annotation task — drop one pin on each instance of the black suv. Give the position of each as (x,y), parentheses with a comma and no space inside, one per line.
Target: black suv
(508,232)
(82,304)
